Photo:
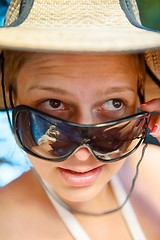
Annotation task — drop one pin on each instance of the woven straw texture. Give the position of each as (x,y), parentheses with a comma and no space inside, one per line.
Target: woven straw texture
(81,26)
(72,13)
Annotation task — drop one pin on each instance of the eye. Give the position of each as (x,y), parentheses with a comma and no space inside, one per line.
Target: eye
(57,104)
(113,105)
(52,104)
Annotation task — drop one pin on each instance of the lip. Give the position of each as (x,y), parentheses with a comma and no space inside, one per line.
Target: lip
(75,178)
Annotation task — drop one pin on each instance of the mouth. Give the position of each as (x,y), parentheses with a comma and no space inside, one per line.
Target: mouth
(80,178)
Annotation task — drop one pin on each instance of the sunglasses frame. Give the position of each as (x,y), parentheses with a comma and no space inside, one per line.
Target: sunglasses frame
(19,108)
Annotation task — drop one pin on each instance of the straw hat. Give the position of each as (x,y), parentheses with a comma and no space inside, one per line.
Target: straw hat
(79,26)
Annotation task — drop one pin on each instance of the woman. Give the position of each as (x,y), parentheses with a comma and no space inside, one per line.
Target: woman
(75,114)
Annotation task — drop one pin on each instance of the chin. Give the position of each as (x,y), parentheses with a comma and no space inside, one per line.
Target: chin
(81,195)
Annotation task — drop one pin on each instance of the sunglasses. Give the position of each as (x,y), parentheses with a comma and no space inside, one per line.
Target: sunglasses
(53,139)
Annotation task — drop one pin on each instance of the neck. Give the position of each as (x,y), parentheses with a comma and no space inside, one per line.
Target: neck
(103,202)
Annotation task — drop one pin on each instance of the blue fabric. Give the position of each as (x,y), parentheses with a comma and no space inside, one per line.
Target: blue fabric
(3,9)
(13,160)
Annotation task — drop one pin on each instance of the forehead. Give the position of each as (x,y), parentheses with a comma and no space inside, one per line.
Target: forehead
(74,64)
(80,59)
(72,71)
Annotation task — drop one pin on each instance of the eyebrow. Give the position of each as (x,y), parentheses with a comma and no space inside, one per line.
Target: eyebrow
(65,92)
(51,89)
(120,89)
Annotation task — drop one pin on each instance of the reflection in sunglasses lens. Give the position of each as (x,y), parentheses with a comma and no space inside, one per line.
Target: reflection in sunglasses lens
(53,139)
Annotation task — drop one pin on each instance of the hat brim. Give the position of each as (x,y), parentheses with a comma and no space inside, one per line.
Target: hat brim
(69,39)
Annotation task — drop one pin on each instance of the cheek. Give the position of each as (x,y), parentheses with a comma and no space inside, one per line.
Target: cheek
(44,168)
(111,169)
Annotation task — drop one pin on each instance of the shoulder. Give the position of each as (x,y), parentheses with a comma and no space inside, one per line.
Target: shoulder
(150,160)
(149,169)
(149,174)
(22,192)
(24,203)
(148,180)
(13,194)
(12,198)
(152,152)
(146,193)
(150,166)
(22,198)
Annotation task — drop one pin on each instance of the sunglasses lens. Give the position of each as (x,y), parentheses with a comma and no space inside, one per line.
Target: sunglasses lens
(53,139)
(115,142)
(44,136)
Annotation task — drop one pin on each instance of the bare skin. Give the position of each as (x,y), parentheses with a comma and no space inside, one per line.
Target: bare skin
(25,209)
(29,210)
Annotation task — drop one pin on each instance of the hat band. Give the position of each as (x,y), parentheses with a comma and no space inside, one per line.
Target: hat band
(25,8)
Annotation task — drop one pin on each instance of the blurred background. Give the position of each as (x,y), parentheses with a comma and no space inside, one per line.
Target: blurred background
(13,161)
(150,13)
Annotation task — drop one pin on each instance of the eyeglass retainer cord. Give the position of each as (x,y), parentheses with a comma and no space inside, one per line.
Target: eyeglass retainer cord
(90,213)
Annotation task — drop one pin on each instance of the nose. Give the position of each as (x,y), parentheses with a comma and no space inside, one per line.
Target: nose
(82,154)
(84,115)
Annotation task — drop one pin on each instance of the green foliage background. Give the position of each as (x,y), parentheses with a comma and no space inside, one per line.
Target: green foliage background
(150,13)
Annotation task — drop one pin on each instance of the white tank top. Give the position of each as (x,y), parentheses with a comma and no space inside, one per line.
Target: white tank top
(74,227)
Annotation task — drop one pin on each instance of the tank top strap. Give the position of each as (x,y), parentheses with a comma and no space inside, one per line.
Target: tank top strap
(75,227)
(128,213)
(72,224)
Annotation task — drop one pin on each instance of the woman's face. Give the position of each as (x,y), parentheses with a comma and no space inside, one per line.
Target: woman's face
(84,89)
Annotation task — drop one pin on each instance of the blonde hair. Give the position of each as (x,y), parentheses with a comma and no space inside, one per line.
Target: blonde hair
(14,61)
